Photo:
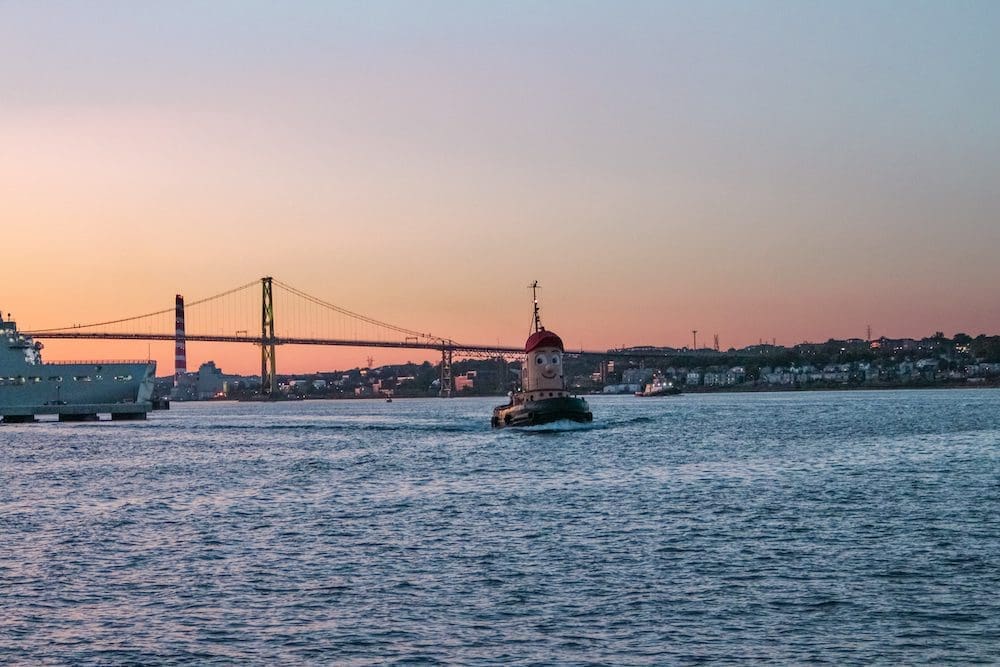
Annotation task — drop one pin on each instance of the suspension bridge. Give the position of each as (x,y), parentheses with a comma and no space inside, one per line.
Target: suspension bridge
(248,314)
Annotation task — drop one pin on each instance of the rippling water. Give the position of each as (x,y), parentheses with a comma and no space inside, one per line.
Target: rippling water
(843,527)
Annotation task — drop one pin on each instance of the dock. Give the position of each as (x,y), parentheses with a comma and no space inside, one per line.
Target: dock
(21,414)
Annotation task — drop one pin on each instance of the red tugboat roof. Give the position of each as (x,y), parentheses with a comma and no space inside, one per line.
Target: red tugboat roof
(542,338)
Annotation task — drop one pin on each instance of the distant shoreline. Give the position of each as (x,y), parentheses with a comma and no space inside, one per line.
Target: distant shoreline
(793,389)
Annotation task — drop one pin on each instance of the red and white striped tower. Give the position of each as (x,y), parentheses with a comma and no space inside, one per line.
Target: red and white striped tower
(180,348)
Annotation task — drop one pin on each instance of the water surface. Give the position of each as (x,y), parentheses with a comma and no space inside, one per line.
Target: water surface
(844,527)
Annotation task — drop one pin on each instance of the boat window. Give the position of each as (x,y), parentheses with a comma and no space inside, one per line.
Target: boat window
(55,378)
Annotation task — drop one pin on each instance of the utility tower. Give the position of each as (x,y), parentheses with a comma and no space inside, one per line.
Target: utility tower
(716,342)
(694,334)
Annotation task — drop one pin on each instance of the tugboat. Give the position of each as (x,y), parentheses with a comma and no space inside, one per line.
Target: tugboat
(542,398)
(659,387)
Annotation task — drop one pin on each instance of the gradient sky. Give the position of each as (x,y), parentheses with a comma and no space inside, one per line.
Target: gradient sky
(789,170)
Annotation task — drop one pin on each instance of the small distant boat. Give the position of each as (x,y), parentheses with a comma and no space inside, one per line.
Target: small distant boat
(659,387)
(543,398)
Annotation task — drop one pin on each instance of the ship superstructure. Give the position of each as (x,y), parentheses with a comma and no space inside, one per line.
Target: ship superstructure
(76,391)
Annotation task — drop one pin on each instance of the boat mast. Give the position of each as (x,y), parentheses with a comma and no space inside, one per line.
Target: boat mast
(534,296)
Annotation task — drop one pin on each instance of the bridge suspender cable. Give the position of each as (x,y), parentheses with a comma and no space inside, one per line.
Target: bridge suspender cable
(344,311)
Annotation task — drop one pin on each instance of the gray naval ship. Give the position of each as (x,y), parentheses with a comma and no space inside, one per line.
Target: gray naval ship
(76,391)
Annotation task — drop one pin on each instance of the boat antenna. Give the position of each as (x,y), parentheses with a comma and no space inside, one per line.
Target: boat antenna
(534,297)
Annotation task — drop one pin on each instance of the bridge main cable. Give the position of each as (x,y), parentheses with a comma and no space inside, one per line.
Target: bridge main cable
(141,317)
(357,316)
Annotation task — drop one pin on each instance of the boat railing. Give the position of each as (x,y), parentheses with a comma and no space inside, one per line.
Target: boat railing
(98,362)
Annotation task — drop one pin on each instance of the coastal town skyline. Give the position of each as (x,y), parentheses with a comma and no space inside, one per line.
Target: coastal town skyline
(763,171)
(296,359)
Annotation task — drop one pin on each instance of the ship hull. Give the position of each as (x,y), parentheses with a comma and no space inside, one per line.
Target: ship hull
(543,411)
(667,391)
(76,384)
(76,391)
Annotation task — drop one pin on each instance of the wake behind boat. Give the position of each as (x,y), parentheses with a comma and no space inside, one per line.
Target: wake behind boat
(542,398)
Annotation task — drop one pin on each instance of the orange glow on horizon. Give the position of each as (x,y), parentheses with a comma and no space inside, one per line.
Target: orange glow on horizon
(707,168)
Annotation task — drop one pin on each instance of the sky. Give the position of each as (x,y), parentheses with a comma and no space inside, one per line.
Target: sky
(780,170)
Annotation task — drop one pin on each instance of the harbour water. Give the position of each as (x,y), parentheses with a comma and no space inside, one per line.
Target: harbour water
(848,527)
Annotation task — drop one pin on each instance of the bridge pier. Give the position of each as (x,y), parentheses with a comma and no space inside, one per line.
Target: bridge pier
(446,380)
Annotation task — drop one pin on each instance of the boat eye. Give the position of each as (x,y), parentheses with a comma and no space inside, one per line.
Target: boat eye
(540,360)
(555,359)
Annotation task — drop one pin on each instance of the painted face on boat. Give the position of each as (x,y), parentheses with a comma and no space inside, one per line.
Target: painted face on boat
(545,368)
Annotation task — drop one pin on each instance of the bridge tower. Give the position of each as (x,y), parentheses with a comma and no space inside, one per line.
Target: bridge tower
(503,373)
(268,378)
(446,382)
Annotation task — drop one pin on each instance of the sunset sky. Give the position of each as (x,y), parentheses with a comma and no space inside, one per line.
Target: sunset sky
(788,170)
